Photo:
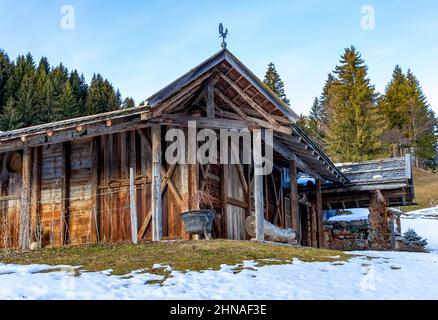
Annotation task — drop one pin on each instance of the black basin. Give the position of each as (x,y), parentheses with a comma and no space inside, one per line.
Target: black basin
(199,222)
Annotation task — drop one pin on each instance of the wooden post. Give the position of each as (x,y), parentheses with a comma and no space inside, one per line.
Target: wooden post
(294,205)
(36,197)
(224,191)
(65,192)
(24,236)
(258,187)
(314,226)
(157,214)
(319,214)
(210,99)
(133,205)
(95,197)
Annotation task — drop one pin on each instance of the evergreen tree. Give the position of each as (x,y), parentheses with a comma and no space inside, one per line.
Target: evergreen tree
(275,84)
(410,122)
(316,123)
(69,107)
(412,239)
(101,96)
(10,118)
(79,88)
(128,103)
(353,126)
(6,70)
(26,100)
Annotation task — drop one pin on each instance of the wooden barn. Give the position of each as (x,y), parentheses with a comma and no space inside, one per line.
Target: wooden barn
(104,178)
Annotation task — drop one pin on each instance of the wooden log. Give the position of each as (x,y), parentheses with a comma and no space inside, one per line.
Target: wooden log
(294,204)
(36,229)
(133,205)
(258,188)
(321,237)
(24,235)
(157,213)
(270,231)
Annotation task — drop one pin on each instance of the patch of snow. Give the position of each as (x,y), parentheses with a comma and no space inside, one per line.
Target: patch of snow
(423,213)
(426,228)
(303,181)
(356,215)
(389,275)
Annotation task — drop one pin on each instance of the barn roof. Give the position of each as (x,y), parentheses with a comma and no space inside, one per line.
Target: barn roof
(237,91)
(379,172)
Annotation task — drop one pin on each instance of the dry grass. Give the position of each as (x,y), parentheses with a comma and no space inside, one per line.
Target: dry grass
(180,255)
(426,189)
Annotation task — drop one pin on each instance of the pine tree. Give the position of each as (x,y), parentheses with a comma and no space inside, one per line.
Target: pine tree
(411,123)
(10,118)
(102,97)
(69,107)
(6,70)
(275,84)
(79,88)
(26,100)
(411,238)
(128,103)
(353,125)
(316,123)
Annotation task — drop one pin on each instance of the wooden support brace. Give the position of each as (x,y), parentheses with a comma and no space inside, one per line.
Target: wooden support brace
(157,214)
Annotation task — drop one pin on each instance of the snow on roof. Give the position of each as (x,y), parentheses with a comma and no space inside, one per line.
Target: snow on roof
(354,215)
(391,170)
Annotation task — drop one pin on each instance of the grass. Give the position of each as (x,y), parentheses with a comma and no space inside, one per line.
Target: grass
(180,255)
(426,190)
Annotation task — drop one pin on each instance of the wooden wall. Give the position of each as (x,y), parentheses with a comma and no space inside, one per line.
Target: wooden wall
(80,193)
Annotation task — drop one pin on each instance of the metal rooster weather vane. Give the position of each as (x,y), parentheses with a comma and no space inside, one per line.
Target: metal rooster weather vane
(223,35)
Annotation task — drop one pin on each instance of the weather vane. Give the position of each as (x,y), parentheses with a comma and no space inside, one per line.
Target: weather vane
(223,35)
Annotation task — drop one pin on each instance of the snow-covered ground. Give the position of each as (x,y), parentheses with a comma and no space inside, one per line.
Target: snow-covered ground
(369,275)
(388,275)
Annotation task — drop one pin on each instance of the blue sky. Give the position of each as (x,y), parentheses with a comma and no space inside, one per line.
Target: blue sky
(141,46)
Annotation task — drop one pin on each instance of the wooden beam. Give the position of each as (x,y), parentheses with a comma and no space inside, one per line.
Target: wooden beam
(24,235)
(294,204)
(248,100)
(320,217)
(289,155)
(95,180)
(160,108)
(224,98)
(157,214)
(258,188)
(224,191)
(210,99)
(133,205)
(65,193)
(36,197)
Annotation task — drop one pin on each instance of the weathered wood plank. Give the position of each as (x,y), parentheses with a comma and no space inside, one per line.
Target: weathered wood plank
(157,213)
(36,228)
(321,238)
(133,205)
(258,187)
(294,205)
(24,235)
(65,192)
(95,193)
